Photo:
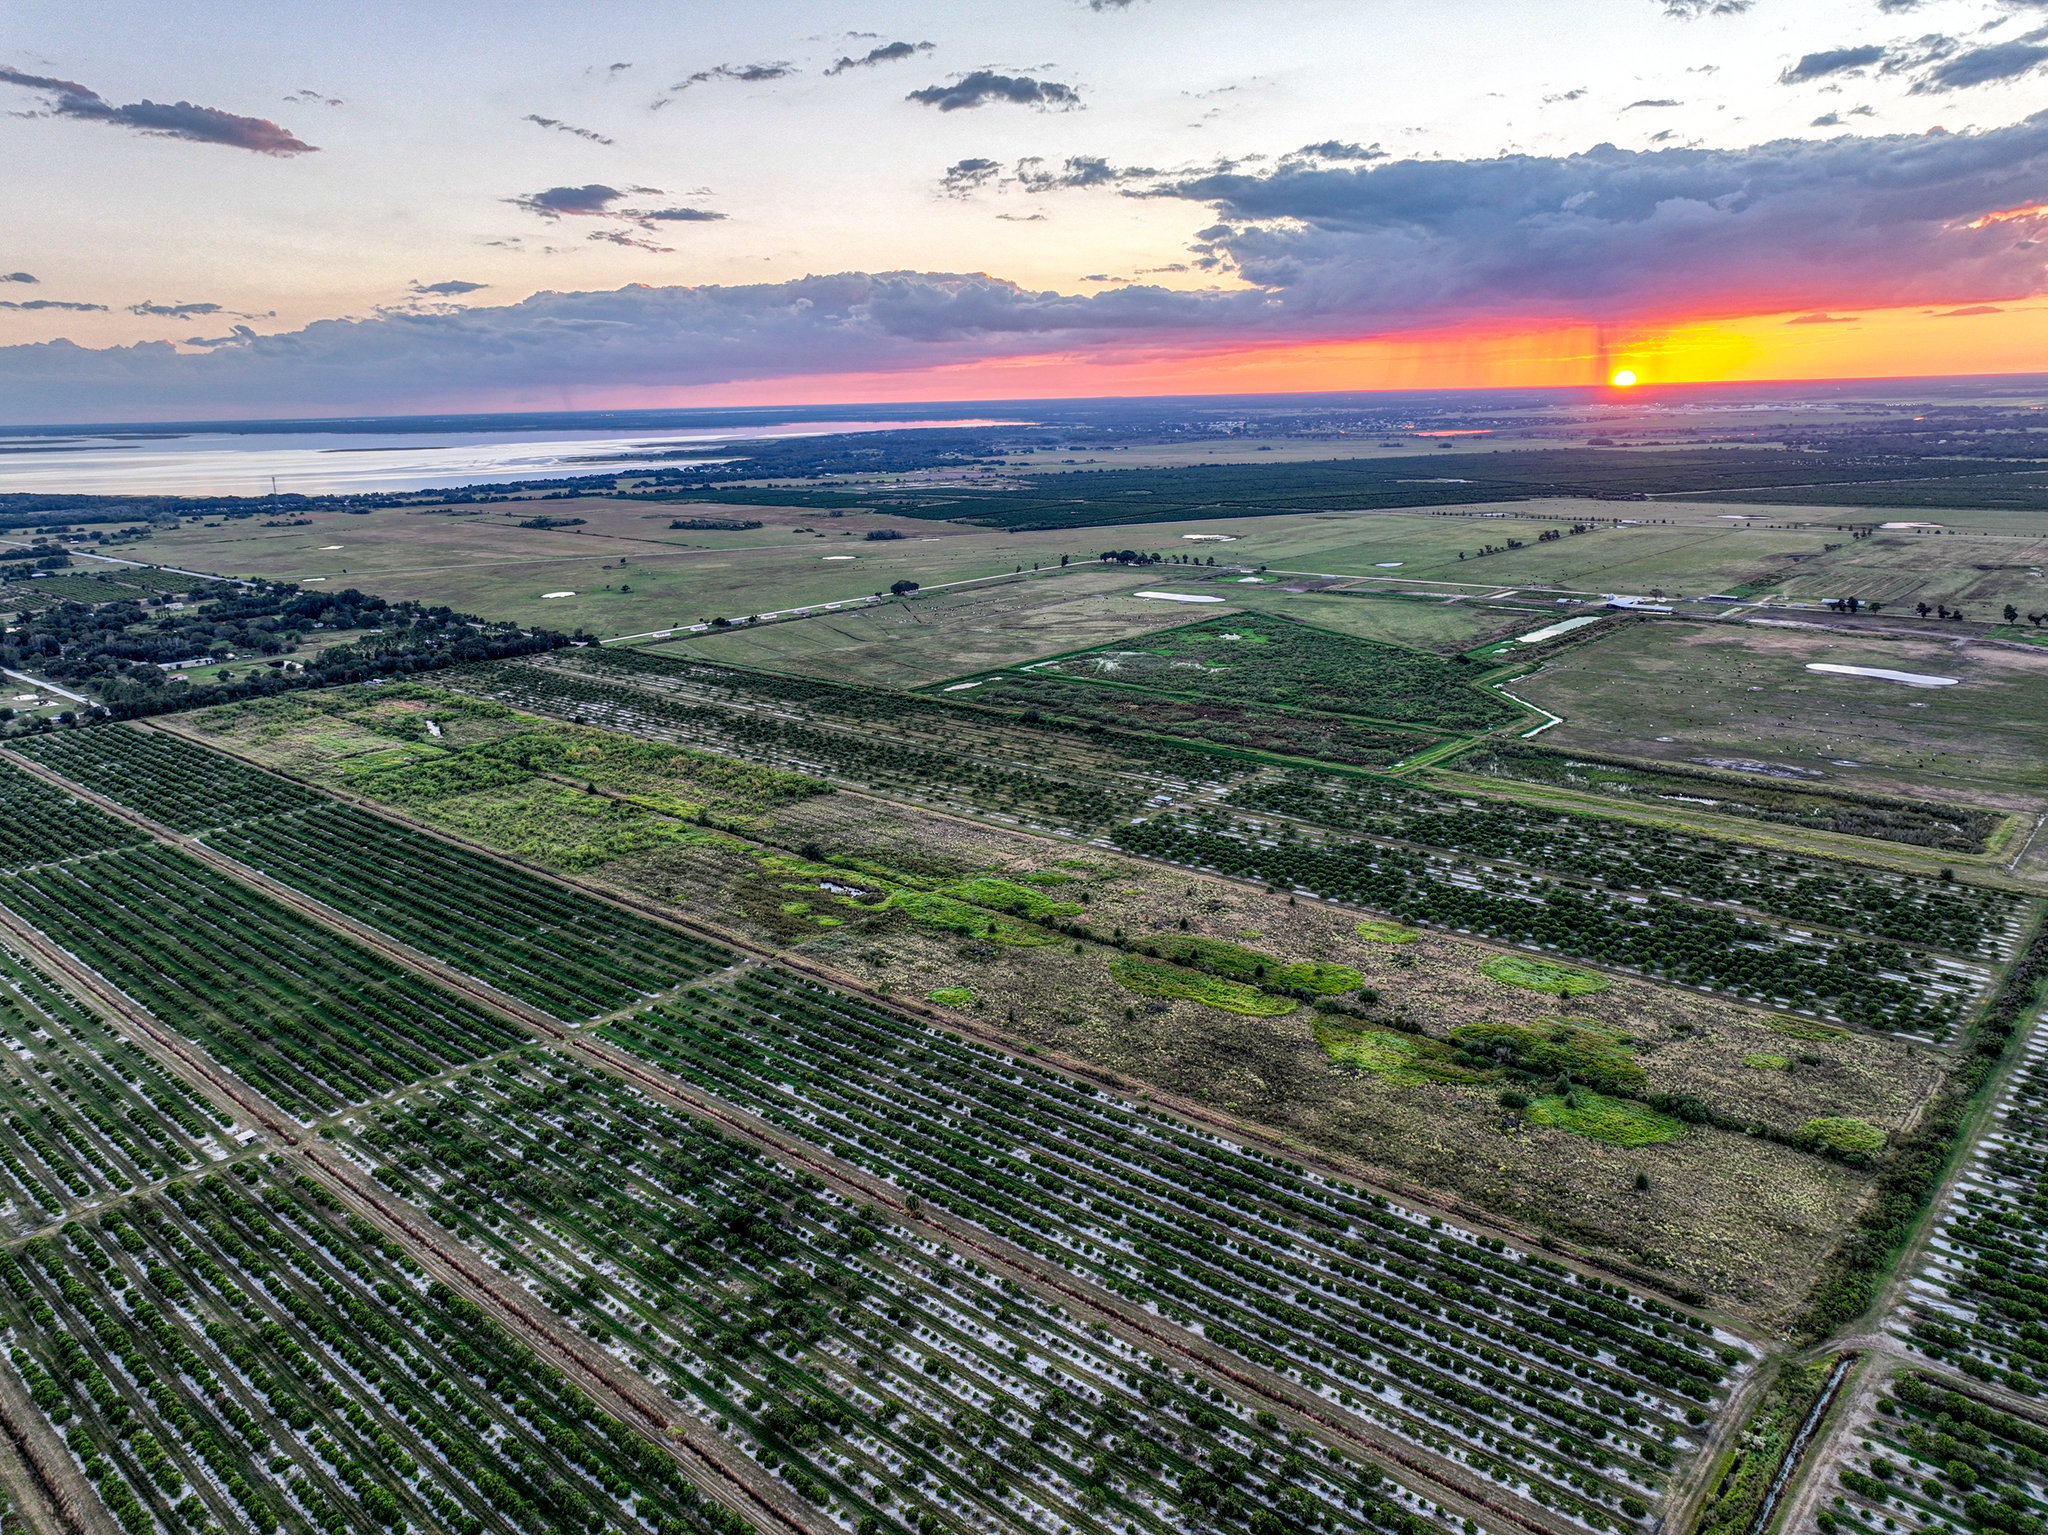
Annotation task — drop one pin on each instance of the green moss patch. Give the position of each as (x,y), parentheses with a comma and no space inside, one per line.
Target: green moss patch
(1376,931)
(1843,1134)
(1019,900)
(951,996)
(1588,1051)
(1401,1060)
(931,910)
(1618,1121)
(1249,966)
(1764,1061)
(1542,975)
(1154,980)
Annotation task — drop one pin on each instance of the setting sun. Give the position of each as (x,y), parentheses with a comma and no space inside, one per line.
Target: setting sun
(1625,379)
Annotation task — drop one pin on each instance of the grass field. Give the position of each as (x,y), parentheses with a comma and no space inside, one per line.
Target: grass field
(1682,692)
(486,563)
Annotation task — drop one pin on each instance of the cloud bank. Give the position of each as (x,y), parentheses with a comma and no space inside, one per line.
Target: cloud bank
(1849,222)
(157,119)
(1324,252)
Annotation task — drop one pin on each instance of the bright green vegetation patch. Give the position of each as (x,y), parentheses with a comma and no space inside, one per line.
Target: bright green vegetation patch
(1915,823)
(1618,1121)
(1401,1060)
(1843,1134)
(1374,930)
(1300,666)
(413,778)
(1542,975)
(952,996)
(552,824)
(1804,1028)
(1218,957)
(1151,980)
(1019,900)
(1579,1048)
(933,910)
(1763,1061)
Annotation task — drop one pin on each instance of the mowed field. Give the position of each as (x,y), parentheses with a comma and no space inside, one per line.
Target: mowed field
(631,573)
(1680,691)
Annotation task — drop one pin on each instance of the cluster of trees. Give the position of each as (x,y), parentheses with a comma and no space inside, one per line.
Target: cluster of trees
(121,651)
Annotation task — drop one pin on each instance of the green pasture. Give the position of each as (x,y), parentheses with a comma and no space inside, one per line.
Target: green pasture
(1681,692)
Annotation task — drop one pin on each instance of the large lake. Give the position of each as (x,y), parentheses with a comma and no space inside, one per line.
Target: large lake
(137,461)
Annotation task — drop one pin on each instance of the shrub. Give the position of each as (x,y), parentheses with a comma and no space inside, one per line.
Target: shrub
(1618,1121)
(1374,929)
(1843,1134)
(952,996)
(1154,980)
(1542,975)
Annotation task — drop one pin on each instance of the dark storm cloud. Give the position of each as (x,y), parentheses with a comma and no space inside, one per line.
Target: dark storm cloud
(1664,101)
(51,303)
(984,86)
(1832,61)
(448,289)
(16,277)
(158,119)
(888,53)
(1692,10)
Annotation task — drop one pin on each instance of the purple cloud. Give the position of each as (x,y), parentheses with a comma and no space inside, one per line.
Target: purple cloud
(157,119)
(984,86)
(888,53)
